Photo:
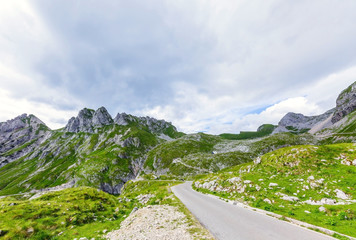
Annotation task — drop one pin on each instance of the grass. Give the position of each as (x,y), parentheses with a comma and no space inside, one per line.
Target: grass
(290,170)
(84,211)
(162,156)
(64,214)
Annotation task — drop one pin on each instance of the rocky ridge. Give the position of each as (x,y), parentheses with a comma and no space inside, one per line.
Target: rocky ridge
(345,103)
(298,123)
(46,158)
(87,120)
(20,136)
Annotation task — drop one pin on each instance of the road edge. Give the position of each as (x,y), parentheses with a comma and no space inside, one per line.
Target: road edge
(289,220)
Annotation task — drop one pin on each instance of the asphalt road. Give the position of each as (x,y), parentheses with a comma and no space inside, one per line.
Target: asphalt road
(231,222)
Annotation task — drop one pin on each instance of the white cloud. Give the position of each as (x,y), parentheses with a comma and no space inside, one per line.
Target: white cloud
(52,117)
(193,111)
(204,65)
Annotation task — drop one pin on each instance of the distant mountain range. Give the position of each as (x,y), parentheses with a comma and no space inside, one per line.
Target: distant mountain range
(99,151)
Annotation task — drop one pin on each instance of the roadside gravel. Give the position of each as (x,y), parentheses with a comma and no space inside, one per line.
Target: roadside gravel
(161,222)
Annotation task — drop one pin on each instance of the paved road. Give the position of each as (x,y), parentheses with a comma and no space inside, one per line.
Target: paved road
(230,222)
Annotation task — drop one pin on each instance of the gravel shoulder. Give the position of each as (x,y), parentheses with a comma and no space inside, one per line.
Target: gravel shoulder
(159,222)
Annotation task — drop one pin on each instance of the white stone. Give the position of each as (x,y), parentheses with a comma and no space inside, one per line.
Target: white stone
(322,209)
(341,194)
(290,198)
(257,160)
(234,180)
(310,178)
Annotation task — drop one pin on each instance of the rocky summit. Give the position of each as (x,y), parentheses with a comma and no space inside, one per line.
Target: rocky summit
(92,150)
(88,119)
(19,137)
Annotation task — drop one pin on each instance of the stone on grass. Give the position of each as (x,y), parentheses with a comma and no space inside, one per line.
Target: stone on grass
(322,209)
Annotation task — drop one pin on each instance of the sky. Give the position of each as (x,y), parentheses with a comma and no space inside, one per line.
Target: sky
(204,65)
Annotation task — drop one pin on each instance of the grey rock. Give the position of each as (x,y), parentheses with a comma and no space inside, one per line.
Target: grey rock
(101,117)
(340,194)
(88,119)
(296,122)
(345,103)
(290,198)
(112,189)
(123,119)
(154,126)
(134,210)
(18,131)
(322,209)
(81,123)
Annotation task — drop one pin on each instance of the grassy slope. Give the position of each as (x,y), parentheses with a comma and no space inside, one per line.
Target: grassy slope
(83,212)
(290,168)
(65,214)
(162,156)
(203,153)
(263,131)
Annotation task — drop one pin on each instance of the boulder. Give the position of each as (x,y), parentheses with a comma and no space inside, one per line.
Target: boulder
(290,198)
(340,194)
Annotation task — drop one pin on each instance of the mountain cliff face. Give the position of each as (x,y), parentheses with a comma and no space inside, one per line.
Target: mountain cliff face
(298,123)
(345,103)
(20,136)
(92,150)
(88,120)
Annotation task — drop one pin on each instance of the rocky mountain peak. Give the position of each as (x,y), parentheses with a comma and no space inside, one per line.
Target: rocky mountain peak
(102,117)
(345,103)
(88,119)
(20,122)
(18,131)
(123,119)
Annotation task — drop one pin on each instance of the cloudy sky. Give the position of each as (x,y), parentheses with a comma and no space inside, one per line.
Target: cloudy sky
(205,65)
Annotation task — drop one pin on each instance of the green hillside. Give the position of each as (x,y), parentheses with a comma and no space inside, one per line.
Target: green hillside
(289,181)
(263,130)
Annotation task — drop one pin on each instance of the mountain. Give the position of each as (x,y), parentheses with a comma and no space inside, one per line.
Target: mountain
(20,136)
(99,151)
(50,179)
(91,150)
(298,123)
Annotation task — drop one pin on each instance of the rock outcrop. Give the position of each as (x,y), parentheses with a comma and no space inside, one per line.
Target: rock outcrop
(153,125)
(92,149)
(88,119)
(345,103)
(24,132)
(296,122)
